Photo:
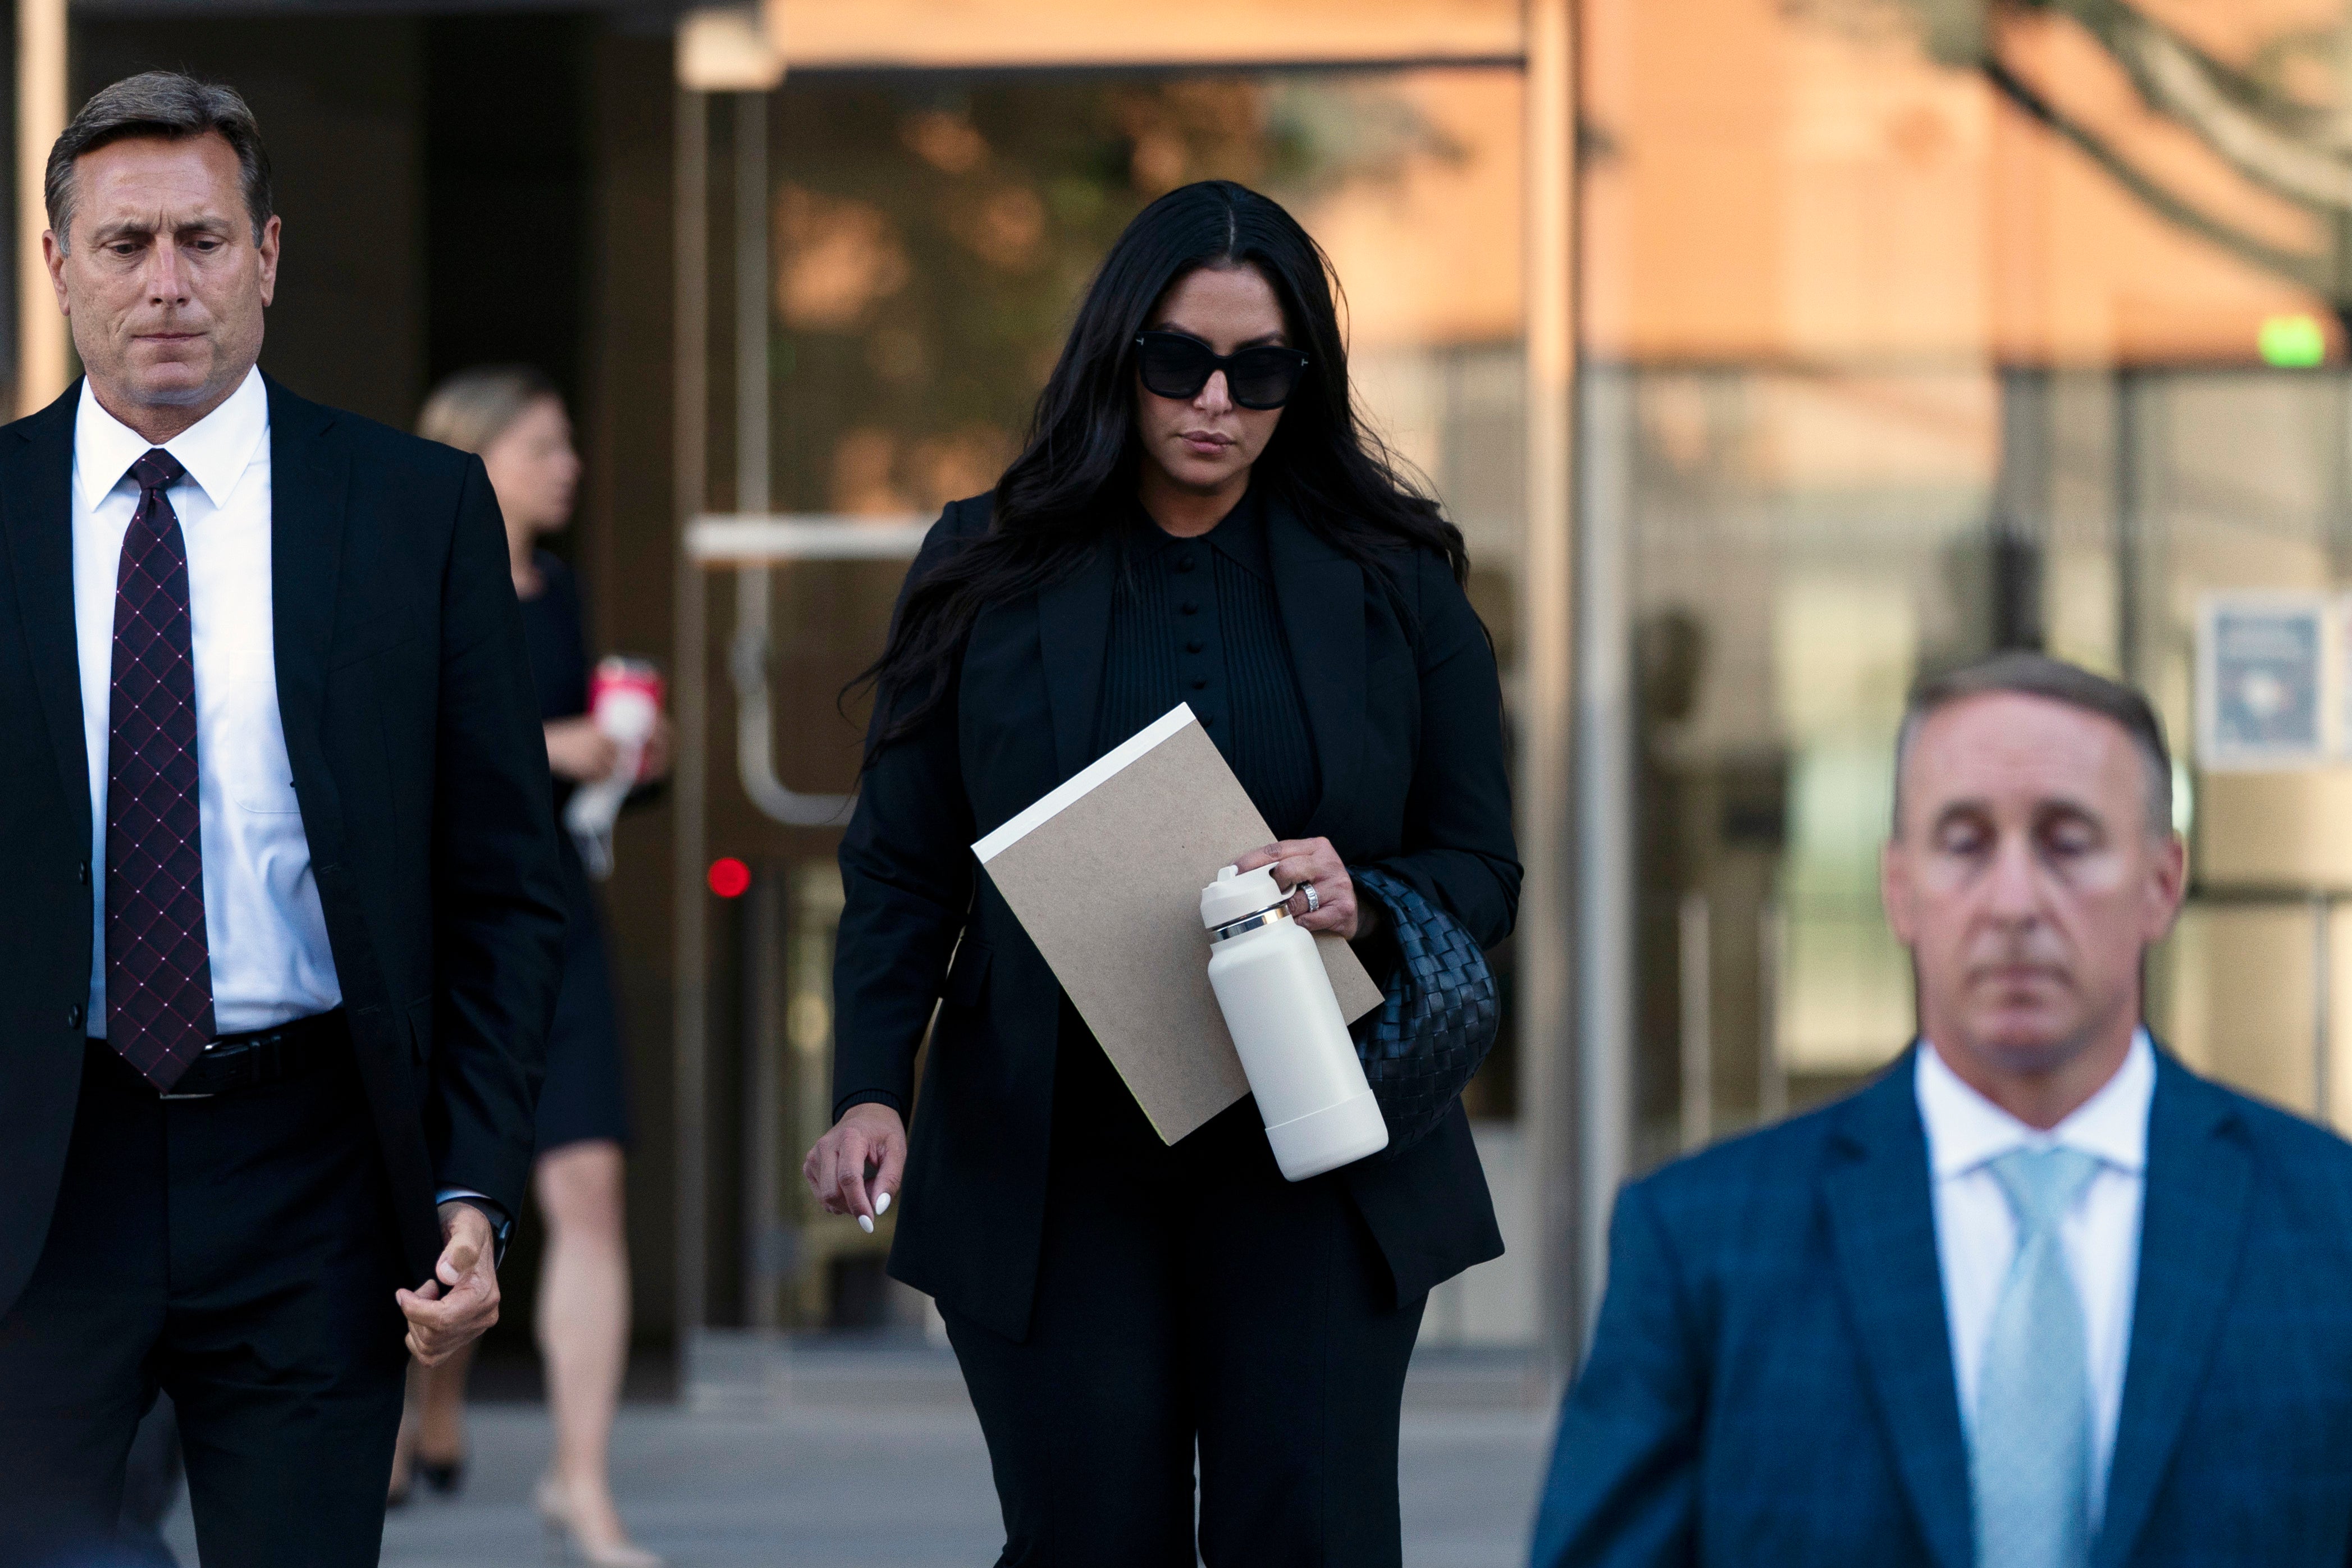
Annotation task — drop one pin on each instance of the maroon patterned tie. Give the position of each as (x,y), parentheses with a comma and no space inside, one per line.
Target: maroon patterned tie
(159,975)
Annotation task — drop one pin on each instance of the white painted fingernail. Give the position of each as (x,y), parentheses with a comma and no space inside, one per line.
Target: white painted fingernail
(882,1204)
(866,1223)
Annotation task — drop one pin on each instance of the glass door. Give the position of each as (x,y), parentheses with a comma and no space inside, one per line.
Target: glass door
(892,260)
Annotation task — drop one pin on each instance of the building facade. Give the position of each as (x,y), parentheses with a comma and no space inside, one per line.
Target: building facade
(1769,354)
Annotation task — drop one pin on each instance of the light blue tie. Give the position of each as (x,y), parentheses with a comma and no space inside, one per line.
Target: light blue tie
(2029,1463)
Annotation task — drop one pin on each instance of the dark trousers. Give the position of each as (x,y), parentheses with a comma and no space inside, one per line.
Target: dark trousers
(1191,1297)
(151,1485)
(239,1253)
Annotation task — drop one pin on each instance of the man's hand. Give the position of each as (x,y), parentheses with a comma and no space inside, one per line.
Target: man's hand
(461,1299)
(855,1168)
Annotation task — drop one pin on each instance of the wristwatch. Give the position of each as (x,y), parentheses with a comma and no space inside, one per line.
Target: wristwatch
(502,1223)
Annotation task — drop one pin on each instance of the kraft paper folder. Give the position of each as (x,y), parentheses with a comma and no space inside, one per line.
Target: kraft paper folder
(1105,874)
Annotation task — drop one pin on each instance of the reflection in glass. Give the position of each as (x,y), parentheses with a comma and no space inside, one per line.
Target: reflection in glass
(1913,331)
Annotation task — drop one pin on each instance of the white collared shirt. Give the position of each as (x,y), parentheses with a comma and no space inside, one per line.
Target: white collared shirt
(1976,1234)
(264,927)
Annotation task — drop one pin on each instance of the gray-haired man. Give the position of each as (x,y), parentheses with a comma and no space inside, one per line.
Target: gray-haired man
(2040,1296)
(282,918)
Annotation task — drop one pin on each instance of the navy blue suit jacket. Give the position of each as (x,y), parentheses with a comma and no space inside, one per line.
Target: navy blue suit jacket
(1771,1378)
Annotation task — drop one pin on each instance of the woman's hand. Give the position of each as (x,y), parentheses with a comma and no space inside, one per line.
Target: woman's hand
(578,750)
(1299,862)
(855,1168)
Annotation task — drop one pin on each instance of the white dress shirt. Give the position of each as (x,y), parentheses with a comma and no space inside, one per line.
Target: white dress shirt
(1976,1234)
(264,928)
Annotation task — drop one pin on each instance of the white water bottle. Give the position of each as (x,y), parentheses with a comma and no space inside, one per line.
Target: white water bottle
(1277,998)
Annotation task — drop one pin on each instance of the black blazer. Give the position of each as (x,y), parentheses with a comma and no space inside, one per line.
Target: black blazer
(1406,713)
(421,777)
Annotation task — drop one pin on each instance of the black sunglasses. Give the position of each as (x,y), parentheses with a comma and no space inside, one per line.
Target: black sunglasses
(1177,366)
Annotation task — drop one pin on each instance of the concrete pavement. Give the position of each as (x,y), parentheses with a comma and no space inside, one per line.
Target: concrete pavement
(890,1473)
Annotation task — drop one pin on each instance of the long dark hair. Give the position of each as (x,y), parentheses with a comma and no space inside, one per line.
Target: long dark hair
(1056,503)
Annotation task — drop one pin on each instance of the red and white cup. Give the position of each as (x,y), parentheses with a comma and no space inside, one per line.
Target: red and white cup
(625,700)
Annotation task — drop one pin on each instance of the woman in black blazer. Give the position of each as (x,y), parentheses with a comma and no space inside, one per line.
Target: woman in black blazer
(1198,517)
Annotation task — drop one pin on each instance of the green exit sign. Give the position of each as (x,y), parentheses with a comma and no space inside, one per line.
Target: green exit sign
(2293,342)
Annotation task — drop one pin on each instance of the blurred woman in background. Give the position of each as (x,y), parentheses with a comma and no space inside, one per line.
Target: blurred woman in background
(513,417)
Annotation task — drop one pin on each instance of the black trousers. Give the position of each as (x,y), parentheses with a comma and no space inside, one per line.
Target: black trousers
(1191,1299)
(239,1253)
(151,1485)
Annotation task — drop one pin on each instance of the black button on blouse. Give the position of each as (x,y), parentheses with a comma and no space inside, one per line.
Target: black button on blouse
(1222,651)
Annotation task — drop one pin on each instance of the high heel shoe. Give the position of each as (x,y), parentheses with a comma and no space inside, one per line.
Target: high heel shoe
(564,1533)
(446,1477)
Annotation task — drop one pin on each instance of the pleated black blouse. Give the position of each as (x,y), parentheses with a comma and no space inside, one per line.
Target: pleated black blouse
(1194,621)
(1191,621)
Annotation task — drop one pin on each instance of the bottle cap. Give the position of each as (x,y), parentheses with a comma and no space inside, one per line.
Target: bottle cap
(1237,895)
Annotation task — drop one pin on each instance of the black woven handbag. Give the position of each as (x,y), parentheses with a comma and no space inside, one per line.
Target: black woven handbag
(1438,1020)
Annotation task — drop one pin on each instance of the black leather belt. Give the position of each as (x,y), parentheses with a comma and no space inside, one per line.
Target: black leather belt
(236,1061)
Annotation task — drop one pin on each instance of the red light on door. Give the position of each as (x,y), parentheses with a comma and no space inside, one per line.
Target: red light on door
(729,877)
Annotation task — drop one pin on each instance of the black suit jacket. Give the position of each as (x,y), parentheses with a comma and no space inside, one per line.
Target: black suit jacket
(1406,713)
(422,776)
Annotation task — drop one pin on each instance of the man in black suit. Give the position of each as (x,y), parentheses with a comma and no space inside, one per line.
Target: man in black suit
(282,918)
